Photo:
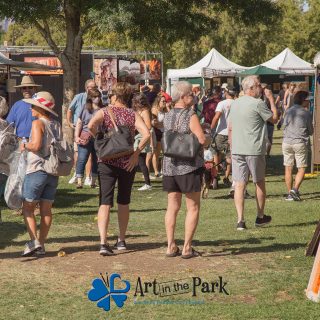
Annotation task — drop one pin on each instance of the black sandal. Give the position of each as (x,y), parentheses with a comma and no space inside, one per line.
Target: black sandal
(193,254)
(174,254)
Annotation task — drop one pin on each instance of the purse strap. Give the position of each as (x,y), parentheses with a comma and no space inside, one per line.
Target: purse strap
(175,128)
(112,118)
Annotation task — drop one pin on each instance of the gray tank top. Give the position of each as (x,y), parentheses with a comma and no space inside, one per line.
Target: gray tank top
(176,167)
(36,159)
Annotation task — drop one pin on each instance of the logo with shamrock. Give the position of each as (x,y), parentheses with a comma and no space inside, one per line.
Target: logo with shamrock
(102,291)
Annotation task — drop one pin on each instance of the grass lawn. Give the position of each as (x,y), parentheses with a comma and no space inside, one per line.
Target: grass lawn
(265,269)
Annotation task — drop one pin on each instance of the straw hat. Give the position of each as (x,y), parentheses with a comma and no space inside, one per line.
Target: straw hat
(44,100)
(27,81)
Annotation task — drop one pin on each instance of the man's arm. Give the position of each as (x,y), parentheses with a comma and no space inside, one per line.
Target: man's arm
(215,119)
(269,96)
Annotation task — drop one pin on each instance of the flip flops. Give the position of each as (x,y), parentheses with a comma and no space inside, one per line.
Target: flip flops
(193,254)
(174,254)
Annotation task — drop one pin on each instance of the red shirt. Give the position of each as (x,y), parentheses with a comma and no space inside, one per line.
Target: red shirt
(209,109)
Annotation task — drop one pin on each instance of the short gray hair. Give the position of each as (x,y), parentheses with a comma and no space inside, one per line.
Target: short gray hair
(3,107)
(249,82)
(179,89)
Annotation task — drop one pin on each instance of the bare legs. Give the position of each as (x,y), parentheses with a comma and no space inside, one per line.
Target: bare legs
(239,198)
(104,218)
(31,223)
(155,158)
(191,221)
(298,179)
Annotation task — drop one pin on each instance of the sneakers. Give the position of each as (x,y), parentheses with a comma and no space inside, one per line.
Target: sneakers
(87,181)
(105,250)
(31,247)
(120,245)
(260,222)
(295,195)
(241,226)
(145,187)
(73,179)
(41,251)
(289,197)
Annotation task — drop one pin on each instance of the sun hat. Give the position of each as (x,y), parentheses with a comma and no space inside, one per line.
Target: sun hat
(224,85)
(44,100)
(27,81)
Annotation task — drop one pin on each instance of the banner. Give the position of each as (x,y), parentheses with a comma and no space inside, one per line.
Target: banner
(46,61)
(150,69)
(129,71)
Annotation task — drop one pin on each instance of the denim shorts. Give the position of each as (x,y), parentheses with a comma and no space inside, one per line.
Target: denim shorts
(38,186)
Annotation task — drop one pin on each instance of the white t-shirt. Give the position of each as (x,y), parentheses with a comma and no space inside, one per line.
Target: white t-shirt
(224,108)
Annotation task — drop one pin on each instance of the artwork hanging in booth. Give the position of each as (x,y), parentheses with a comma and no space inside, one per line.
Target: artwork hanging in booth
(105,71)
(129,71)
(46,61)
(150,69)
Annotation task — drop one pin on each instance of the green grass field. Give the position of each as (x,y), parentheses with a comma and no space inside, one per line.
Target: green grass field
(265,269)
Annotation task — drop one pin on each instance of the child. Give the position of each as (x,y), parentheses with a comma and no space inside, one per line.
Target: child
(210,173)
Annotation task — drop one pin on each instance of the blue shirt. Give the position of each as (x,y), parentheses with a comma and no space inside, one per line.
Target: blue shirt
(20,115)
(77,104)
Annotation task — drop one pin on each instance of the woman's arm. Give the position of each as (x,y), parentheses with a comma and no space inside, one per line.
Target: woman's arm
(145,133)
(285,99)
(78,131)
(196,129)
(37,134)
(95,122)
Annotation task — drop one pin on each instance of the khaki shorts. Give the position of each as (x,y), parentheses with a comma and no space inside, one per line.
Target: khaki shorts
(243,165)
(298,152)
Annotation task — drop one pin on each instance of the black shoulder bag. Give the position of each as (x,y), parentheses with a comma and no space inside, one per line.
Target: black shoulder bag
(182,146)
(115,143)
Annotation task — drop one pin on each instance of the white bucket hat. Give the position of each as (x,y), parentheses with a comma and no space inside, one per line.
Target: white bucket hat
(44,100)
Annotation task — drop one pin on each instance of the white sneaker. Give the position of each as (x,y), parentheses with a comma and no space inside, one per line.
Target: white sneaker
(31,247)
(145,187)
(41,251)
(73,179)
(87,181)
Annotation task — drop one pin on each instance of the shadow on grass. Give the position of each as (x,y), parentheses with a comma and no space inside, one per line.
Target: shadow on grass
(94,212)
(9,231)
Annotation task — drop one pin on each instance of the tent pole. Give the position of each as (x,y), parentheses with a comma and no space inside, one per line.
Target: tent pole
(314,113)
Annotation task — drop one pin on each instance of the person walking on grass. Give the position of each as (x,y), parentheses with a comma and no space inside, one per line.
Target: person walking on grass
(73,113)
(248,116)
(39,186)
(141,105)
(297,131)
(183,176)
(121,170)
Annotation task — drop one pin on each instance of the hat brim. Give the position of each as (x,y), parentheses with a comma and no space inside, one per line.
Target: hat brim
(38,104)
(28,85)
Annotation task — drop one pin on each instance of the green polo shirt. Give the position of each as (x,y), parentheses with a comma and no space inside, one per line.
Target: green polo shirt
(248,118)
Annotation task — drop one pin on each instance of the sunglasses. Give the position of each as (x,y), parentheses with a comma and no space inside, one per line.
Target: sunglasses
(27,88)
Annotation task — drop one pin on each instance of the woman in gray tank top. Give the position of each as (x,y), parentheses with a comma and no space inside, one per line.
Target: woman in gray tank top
(182,176)
(39,186)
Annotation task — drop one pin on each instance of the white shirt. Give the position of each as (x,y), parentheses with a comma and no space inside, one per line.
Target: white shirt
(224,108)
(208,154)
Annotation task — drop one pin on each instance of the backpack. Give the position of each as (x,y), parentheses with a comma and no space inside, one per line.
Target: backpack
(60,159)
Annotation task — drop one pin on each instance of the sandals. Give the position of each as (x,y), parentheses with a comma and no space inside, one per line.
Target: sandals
(174,254)
(193,254)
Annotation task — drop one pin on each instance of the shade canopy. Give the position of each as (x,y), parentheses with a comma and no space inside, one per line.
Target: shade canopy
(20,65)
(290,63)
(213,64)
(261,70)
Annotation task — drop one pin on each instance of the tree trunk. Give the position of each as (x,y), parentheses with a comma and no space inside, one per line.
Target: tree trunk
(71,74)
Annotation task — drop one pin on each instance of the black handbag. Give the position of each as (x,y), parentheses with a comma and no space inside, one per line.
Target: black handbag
(115,143)
(182,146)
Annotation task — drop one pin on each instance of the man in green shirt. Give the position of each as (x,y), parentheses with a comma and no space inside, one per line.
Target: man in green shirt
(247,125)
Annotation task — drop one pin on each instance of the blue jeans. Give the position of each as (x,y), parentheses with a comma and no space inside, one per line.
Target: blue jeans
(83,156)
(39,186)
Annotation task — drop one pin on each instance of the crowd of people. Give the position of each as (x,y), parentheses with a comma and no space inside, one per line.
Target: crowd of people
(233,129)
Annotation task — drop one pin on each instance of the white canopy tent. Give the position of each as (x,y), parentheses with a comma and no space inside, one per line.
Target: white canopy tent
(290,63)
(214,63)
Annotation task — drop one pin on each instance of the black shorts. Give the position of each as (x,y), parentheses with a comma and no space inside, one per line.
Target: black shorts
(159,134)
(187,183)
(108,176)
